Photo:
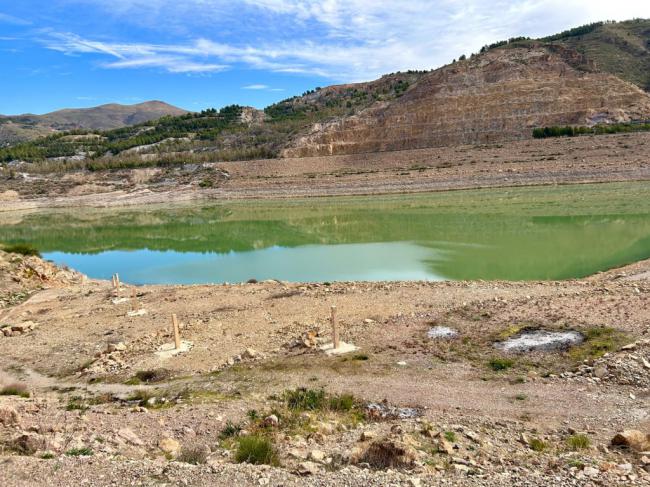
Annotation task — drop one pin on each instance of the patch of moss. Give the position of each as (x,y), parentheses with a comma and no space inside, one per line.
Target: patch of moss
(598,342)
(500,364)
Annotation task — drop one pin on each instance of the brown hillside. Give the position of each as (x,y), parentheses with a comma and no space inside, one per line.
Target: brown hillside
(104,117)
(501,95)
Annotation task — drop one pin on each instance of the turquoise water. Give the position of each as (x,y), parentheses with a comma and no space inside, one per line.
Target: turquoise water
(514,234)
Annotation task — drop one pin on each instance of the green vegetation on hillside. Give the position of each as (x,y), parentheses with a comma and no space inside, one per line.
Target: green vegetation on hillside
(232,133)
(619,48)
(571,131)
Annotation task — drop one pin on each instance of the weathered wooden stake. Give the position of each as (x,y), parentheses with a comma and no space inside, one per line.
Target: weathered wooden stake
(117,283)
(177,335)
(113,281)
(335,329)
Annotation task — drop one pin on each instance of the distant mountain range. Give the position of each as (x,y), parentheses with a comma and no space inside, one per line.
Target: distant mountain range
(591,75)
(104,117)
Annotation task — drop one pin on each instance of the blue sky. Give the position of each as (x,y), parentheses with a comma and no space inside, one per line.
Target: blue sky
(209,53)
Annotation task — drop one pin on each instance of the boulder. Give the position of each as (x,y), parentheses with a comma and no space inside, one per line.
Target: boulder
(9,416)
(29,443)
(632,439)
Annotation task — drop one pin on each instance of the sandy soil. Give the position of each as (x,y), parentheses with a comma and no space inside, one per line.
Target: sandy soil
(252,342)
(621,157)
(103,408)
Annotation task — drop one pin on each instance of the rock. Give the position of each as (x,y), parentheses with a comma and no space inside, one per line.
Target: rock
(170,446)
(9,416)
(415,482)
(307,468)
(445,446)
(368,436)
(128,435)
(591,472)
(317,456)
(632,439)
(23,327)
(272,421)
(298,453)
(28,443)
(115,347)
(249,353)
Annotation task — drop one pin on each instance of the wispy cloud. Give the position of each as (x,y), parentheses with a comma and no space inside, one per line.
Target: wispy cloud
(10,19)
(344,40)
(256,87)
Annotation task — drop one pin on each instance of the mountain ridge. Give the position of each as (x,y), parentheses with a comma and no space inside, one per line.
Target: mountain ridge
(15,128)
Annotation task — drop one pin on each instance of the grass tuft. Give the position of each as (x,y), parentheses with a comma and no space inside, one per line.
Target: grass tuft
(230,430)
(80,452)
(537,445)
(500,364)
(578,442)
(15,389)
(257,450)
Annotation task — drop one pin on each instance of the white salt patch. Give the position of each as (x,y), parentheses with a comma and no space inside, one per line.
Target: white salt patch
(529,341)
(442,332)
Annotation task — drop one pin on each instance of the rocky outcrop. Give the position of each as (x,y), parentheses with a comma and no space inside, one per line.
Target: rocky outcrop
(498,96)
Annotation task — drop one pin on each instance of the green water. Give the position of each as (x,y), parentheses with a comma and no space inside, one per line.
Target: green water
(517,234)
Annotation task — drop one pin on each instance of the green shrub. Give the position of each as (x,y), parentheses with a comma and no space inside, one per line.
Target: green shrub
(15,389)
(344,402)
(79,452)
(578,442)
(303,399)
(256,450)
(537,445)
(23,249)
(231,429)
(500,364)
(450,436)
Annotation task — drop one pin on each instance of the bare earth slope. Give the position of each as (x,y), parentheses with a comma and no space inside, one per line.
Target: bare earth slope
(501,95)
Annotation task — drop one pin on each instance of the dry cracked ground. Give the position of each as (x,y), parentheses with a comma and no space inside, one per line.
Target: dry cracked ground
(87,400)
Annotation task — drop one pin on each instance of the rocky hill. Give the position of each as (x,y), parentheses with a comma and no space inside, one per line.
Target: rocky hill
(592,75)
(104,117)
(497,96)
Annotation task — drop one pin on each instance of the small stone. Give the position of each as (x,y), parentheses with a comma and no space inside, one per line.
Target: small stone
(368,436)
(307,468)
(591,472)
(317,456)
(272,421)
(170,446)
(401,363)
(249,353)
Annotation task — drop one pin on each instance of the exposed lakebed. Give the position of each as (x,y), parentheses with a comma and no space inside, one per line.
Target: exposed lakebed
(511,234)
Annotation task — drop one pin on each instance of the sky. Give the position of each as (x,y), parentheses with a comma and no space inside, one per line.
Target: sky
(197,54)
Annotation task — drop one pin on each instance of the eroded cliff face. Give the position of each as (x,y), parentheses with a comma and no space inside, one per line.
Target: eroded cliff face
(501,95)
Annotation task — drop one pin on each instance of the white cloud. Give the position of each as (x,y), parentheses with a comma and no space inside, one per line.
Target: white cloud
(344,40)
(256,87)
(10,19)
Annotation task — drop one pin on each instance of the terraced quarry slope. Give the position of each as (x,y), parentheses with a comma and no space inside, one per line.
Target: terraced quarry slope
(498,96)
